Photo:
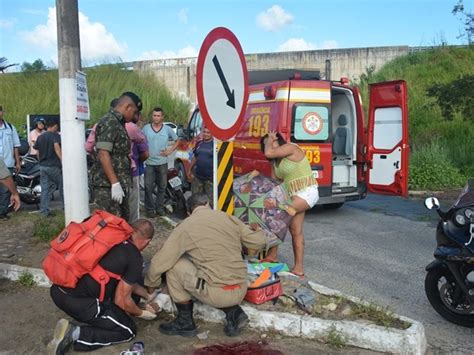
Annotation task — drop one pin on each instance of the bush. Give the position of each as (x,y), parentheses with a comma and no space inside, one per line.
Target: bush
(431,168)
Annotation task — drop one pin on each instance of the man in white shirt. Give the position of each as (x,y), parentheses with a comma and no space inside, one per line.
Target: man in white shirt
(10,154)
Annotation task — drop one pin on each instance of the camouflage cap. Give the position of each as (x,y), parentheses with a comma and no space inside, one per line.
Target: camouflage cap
(135,98)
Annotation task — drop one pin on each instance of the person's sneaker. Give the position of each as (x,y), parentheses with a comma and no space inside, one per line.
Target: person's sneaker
(161,212)
(62,339)
(150,214)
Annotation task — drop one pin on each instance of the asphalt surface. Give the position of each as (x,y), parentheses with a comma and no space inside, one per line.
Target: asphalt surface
(377,249)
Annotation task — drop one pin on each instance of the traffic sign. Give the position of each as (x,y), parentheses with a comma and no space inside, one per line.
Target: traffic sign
(222,83)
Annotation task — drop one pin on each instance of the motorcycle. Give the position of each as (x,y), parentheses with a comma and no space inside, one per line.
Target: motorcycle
(175,201)
(174,195)
(27,180)
(449,282)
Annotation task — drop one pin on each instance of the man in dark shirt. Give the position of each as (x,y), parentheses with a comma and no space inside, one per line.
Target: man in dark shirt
(48,146)
(201,178)
(108,322)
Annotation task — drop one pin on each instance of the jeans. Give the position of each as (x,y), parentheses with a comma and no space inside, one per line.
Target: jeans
(134,199)
(155,175)
(4,198)
(49,175)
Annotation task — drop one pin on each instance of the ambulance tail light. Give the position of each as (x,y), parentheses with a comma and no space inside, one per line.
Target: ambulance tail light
(344,81)
(269,92)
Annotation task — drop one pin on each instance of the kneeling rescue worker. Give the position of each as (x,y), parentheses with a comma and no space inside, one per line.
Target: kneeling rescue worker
(107,322)
(202,259)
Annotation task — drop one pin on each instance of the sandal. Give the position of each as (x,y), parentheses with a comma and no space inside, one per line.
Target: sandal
(301,276)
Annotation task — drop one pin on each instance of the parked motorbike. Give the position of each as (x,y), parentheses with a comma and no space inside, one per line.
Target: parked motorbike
(175,201)
(449,283)
(174,193)
(27,180)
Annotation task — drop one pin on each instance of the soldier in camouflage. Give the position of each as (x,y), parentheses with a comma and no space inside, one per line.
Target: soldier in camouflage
(111,175)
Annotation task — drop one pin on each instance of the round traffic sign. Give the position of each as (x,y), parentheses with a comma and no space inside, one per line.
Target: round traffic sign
(222,83)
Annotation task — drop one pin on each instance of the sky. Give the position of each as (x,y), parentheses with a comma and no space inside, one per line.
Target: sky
(119,30)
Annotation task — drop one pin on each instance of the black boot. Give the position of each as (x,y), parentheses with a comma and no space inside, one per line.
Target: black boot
(183,324)
(236,319)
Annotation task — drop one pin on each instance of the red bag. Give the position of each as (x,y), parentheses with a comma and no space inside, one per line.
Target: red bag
(265,292)
(80,246)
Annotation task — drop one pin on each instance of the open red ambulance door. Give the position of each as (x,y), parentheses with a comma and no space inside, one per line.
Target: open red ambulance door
(387,152)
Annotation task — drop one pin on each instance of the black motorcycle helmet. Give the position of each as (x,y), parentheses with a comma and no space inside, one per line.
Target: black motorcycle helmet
(39,120)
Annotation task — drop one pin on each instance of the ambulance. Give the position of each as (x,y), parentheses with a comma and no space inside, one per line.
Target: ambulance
(349,155)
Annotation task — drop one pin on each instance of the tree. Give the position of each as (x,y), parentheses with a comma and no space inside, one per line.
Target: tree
(36,66)
(4,64)
(467,18)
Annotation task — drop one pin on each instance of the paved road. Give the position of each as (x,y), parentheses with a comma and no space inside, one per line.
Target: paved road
(377,249)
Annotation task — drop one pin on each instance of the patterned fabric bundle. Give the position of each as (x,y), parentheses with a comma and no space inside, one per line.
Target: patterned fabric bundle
(261,201)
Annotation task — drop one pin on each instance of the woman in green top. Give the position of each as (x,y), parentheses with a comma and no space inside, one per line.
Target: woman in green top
(289,164)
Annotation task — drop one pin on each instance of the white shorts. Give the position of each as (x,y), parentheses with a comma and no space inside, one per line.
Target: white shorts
(310,195)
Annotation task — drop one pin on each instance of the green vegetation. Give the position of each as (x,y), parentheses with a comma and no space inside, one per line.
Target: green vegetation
(379,315)
(46,229)
(37,92)
(440,93)
(334,339)
(26,279)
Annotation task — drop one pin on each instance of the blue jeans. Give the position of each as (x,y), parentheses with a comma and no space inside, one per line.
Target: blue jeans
(49,175)
(155,175)
(4,197)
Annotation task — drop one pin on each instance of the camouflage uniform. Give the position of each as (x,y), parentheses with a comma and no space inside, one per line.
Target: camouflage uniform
(203,186)
(112,137)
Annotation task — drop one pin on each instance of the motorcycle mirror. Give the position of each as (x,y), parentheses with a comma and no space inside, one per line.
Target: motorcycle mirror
(432,203)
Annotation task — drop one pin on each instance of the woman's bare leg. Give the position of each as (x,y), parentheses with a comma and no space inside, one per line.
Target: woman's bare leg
(296,231)
(297,235)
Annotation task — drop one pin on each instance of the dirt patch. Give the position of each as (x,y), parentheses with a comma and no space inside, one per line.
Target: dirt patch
(29,317)
(27,250)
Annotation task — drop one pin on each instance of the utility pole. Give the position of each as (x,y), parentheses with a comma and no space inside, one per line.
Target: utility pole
(76,197)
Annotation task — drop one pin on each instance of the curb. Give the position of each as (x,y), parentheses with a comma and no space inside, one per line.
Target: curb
(356,333)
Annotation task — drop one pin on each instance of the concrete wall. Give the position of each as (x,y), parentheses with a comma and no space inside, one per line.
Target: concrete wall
(180,74)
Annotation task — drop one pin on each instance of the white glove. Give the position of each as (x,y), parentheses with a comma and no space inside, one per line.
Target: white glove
(117,193)
(147,315)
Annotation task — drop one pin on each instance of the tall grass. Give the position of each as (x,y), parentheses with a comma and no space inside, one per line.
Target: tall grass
(422,70)
(27,93)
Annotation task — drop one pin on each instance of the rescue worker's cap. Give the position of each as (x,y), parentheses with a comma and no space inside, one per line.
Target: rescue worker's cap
(135,98)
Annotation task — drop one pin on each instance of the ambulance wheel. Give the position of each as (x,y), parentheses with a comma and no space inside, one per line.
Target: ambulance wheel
(182,175)
(333,206)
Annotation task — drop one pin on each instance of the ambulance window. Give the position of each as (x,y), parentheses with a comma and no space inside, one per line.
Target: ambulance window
(310,123)
(196,124)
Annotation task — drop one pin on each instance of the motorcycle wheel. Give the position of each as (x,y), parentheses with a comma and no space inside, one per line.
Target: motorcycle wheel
(182,175)
(181,204)
(439,287)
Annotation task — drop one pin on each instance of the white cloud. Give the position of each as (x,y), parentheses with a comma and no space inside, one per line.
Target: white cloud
(300,44)
(183,16)
(96,42)
(186,52)
(6,23)
(296,44)
(274,18)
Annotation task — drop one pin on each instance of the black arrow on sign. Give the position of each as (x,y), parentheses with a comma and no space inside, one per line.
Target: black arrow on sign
(230,95)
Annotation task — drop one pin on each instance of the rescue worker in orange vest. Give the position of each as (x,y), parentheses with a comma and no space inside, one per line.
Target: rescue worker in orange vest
(202,259)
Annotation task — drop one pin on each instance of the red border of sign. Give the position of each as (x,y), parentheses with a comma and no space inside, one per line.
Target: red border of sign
(213,36)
